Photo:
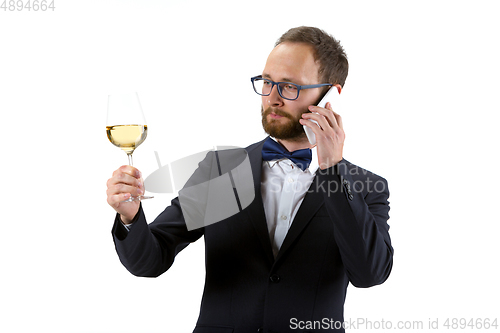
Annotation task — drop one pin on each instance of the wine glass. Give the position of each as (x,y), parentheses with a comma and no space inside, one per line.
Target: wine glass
(126,126)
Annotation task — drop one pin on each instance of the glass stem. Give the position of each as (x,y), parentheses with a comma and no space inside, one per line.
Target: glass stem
(130,161)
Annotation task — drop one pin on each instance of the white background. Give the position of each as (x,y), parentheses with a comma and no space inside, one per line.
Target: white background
(420,107)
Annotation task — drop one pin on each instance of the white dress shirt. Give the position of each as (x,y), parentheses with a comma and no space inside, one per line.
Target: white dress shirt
(283,187)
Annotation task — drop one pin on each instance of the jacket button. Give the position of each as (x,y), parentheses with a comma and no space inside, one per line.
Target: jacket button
(275,278)
(260,330)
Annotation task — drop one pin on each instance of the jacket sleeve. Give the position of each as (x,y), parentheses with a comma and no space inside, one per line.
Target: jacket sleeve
(357,203)
(149,250)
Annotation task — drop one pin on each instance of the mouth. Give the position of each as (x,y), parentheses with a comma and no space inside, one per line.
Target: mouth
(275,116)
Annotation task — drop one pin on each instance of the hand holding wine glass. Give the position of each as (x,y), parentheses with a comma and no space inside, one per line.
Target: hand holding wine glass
(126,128)
(125,183)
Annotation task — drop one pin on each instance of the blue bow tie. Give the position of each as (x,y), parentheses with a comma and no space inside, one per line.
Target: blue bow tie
(274,151)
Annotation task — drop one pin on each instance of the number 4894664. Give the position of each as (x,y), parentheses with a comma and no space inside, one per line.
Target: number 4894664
(27,5)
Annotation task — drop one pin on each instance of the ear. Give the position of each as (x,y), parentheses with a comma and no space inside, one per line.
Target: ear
(339,88)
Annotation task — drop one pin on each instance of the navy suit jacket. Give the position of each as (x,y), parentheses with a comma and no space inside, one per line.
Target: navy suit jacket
(339,235)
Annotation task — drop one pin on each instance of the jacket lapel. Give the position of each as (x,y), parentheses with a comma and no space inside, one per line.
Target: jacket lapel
(310,205)
(256,209)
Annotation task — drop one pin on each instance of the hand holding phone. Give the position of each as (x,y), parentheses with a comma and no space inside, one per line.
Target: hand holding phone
(331,96)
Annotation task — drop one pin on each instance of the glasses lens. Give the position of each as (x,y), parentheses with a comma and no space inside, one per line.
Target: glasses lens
(262,86)
(289,90)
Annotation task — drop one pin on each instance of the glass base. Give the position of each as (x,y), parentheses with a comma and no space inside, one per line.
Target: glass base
(138,198)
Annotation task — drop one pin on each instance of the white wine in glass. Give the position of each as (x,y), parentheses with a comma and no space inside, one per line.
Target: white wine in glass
(126,126)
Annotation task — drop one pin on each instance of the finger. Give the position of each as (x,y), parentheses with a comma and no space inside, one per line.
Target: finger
(322,120)
(122,188)
(334,118)
(339,120)
(128,169)
(325,112)
(115,200)
(315,127)
(320,110)
(125,179)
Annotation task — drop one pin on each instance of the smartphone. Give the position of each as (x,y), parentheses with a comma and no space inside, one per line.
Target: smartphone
(331,96)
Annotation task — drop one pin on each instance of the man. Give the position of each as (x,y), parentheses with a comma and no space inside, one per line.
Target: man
(283,263)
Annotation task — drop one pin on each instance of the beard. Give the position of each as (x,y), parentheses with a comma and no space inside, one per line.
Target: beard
(292,130)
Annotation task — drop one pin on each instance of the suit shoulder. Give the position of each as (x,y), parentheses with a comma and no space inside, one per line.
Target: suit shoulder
(255,145)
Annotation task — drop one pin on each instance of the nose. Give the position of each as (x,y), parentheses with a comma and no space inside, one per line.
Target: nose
(274,99)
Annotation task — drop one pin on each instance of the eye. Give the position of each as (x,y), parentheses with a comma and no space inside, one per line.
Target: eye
(290,87)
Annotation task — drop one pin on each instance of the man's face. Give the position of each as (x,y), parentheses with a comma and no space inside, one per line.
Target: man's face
(290,62)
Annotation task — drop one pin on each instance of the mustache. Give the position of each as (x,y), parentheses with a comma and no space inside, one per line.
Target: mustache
(278,112)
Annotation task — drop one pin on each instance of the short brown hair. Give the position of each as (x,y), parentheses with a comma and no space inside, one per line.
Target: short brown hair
(333,64)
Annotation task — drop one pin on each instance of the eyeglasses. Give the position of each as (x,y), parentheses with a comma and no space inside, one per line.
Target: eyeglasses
(286,90)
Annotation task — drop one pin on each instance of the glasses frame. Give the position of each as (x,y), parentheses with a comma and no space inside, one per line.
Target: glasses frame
(277,84)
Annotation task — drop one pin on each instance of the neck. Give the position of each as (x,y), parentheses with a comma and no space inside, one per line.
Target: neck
(293,145)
